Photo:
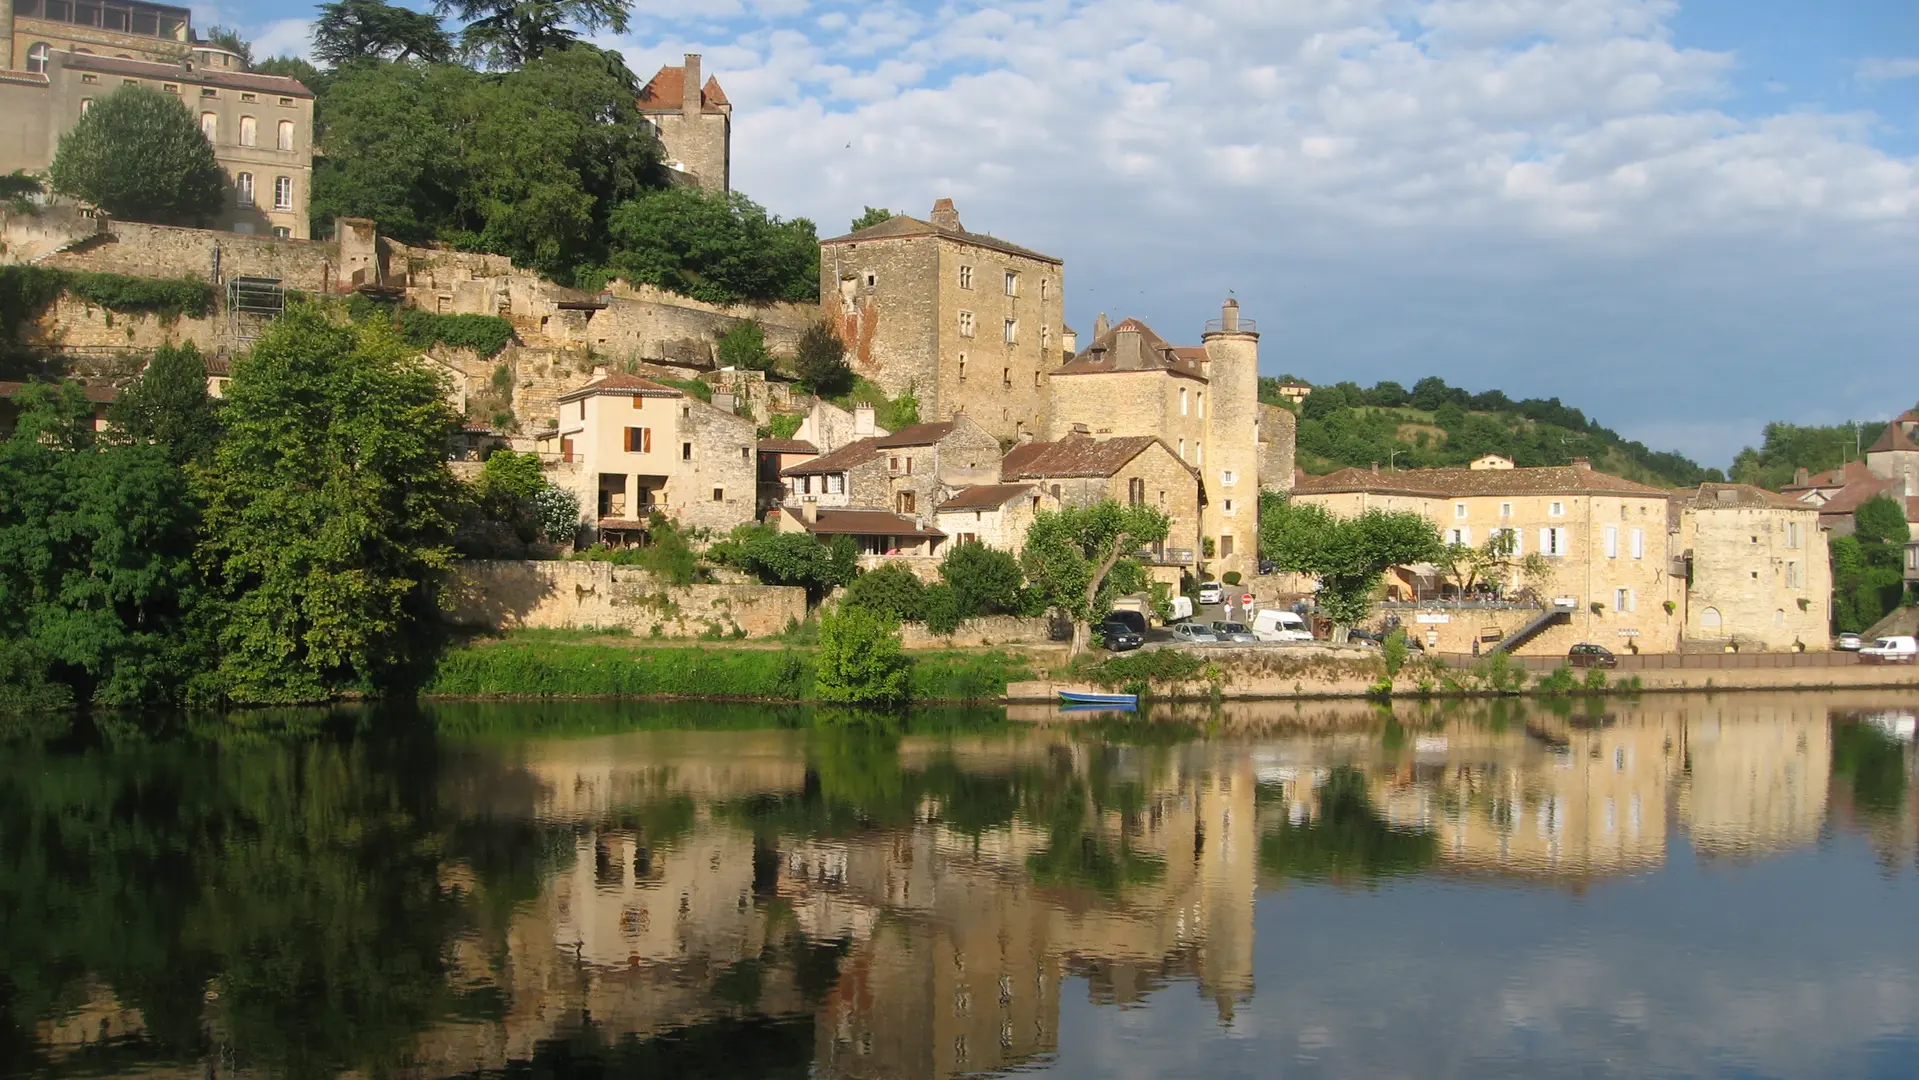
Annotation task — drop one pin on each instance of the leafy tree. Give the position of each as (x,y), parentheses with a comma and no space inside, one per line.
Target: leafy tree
(168,406)
(871,216)
(743,346)
(512,33)
(985,581)
(139,155)
(1787,448)
(1868,578)
(820,361)
(294,67)
(892,591)
(349,30)
(778,558)
(860,661)
(558,512)
(228,38)
(1079,559)
(329,511)
(943,608)
(1880,525)
(715,246)
(1348,556)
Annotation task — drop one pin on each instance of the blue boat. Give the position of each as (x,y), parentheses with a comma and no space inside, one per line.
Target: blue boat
(1103,701)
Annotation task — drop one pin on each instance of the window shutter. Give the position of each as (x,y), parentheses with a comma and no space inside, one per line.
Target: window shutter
(646,440)
(1612,541)
(1639,543)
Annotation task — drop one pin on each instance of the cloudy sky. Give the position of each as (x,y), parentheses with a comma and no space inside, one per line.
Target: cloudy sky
(1686,217)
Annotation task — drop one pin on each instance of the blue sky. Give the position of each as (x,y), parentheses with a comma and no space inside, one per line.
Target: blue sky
(1687,218)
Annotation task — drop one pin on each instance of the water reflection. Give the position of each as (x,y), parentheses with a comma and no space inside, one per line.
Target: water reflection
(669,891)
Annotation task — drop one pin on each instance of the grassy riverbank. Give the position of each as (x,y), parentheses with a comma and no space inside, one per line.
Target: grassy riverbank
(537,664)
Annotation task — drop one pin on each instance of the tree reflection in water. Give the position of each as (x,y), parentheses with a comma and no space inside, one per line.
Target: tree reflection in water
(1346,841)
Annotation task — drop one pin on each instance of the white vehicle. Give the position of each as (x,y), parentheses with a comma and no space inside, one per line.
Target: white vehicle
(1182,608)
(1280,626)
(1210,592)
(1891,650)
(1192,633)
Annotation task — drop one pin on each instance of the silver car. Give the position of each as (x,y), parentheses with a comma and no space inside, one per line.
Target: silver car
(1237,633)
(1192,633)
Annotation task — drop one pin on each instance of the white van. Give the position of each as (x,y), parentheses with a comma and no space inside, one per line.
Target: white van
(1280,626)
(1890,650)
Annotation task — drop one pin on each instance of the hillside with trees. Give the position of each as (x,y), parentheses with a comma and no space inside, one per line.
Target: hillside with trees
(1787,448)
(1435,425)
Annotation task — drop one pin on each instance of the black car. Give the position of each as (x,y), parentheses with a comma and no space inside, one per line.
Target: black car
(1268,566)
(1585,655)
(1118,637)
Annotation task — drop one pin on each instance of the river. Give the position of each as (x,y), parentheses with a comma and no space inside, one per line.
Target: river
(1669,886)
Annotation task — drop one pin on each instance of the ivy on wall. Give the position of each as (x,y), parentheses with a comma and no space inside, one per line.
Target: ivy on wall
(27,291)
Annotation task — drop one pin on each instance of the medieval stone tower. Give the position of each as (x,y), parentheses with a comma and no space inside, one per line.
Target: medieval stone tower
(694,121)
(1231,469)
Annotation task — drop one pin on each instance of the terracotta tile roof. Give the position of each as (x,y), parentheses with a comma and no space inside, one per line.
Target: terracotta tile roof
(787,446)
(858,452)
(1079,456)
(1020,456)
(986,496)
(100,395)
(1898,434)
(1103,356)
(1716,496)
(900,225)
(217,365)
(1850,472)
(237,80)
(1450,483)
(860,523)
(1849,498)
(916,435)
(621,383)
(666,92)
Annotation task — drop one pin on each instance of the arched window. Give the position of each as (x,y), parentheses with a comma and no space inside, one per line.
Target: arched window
(286,134)
(243,183)
(248,130)
(210,126)
(1709,619)
(37,57)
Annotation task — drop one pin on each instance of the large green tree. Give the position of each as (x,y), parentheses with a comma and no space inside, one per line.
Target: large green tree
(138,154)
(820,362)
(168,406)
(715,246)
(349,30)
(329,511)
(1868,576)
(1347,556)
(1080,559)
(511,33)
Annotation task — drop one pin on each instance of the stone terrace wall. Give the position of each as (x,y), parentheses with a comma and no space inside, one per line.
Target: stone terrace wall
(126,247)
(505,595)
(989,630)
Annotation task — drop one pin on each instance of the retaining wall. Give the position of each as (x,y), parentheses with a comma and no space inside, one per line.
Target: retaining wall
(575,595)
(987,631)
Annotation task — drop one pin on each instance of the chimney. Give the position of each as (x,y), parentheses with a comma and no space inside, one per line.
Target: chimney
(946,216)
(863,424)
(1229,316)
(1128,352)
(1025,436)
(690,86)
(1583,463)
(1069,340)
(1100,326)
(1375,468)
(1801,476)
(810,511)
(1081,429)
(599,371)
(726,403)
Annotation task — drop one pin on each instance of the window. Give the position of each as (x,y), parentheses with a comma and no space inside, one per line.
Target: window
(966,324)
(208,91)
(1225,544)
(904,502)
(1228,478)
(1792,576)
(1006,377)
(1459,511)
(282,232)
(1182,401)
(962,367)
(171,88)
(287,102)
(746,453)
(1045,287)
(1045,336)
(639,440)
(1612,541)
(1012,283)
(1182,449)
(686,451)
(1201,395)
(1012,331)
(244,228)
(1229,508)
(1461,535)
(1036,380)
(833,484)
(1199,453)
(249,130)
(243,185)
(719,494)
(1623,600)
(1552,541)
(1511,540)
(131,82)
(283,193)
(1505,509)
(966,277)
(1639,543)
(37,57)
(1557,509)
(210,126)
(89,78)
(1792,534)
(872,280)
(249,97)
(1135,491)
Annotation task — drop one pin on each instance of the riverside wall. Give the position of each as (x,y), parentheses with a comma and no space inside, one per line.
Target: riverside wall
(501,594)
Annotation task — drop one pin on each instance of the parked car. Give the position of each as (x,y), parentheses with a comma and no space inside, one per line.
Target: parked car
(1268,566)
(1377,638)
(1192,633)
(1131,620)
(1210,592)
(1848,643)
(1272,625)
(1237,632)
(1118,637)
(1588,655)
(1891,650)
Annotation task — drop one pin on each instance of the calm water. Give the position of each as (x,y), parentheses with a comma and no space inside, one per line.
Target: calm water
(1683,887)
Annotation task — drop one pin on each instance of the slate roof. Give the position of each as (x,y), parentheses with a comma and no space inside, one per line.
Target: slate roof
(860,523)
(624,384)
(1078,456)
(985,496)
(666,92)
(858,452)
(1454,483)
(1101,357)
(899,225)
(146,69)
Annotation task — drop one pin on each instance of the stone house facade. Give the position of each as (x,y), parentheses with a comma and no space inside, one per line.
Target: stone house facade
(1760,576)
(877,533)
(130,30)
(909,472)
(629,447)
(1080,470)
(1204,402)
(971,324)
(694,123)
(997,515)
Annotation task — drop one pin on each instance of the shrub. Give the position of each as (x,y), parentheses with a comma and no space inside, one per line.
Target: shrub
(744,346)
(484,334)
(1145,667)
(1595,679)
(1561,681)
(782,425)
(860,661)
(943,610)
(820,362)
(558,512)
(668,555)
(778,558)
(1393,651)
(892,592)
(27,291)
(1231,577)
(695,387)
(986,581)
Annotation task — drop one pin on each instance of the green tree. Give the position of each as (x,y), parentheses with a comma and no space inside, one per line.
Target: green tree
(1080,559)
(329,511)
(294,67)
(168,406)
(1348,556)
(891,591)
(512,33)
(394,150)
(1868,578)
(139,155)
(715,246)
(820,362)
(349,30)
(743,346)
(860,661)
(228,38)
(986,581)
(871,216)
(778,558)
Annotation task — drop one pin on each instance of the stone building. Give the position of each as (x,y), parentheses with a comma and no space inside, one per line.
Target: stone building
(694,122)
(1760,577)
(878,534)
(969,323)
(908,472)
(1080,470)
(1203,402)
(127,30)
(997,515)
(629,447)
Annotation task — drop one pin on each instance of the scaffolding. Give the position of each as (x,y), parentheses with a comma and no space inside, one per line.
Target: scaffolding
(252,303)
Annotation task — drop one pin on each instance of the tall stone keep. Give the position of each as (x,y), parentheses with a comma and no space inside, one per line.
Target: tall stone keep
(1231,470)
(694,122)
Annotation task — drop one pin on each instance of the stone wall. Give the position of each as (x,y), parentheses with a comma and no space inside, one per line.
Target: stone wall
(986,631)
(572,595)
(137,250)
(1761,578)
(31,237)
(1278,440)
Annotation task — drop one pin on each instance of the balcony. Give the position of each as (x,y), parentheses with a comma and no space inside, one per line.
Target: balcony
(1166,557)
(1244,326)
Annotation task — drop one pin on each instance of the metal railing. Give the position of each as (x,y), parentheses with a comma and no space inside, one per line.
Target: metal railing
(1244,325)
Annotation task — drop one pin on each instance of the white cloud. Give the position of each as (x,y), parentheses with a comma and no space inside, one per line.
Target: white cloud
(287,37)
(1886,69)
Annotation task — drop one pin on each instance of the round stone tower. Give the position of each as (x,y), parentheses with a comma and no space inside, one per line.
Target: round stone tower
(1231,469)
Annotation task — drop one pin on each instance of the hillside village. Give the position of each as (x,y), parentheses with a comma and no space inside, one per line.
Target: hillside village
(622,394)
